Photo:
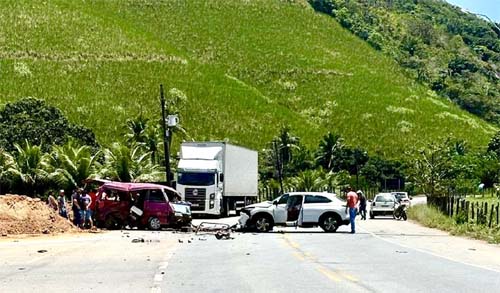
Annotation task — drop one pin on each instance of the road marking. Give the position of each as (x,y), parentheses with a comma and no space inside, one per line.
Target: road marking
(298,256)
(163,265)
(331,275)
(348,276)
(430,253)
(158,277)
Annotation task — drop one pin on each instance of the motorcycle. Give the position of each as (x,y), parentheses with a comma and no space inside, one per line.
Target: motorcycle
(400,211)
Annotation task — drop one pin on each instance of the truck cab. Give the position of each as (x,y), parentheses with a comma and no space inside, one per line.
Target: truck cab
(201,189)
(216,177)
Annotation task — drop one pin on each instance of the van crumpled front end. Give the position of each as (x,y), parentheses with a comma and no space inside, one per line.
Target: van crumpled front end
(182,214)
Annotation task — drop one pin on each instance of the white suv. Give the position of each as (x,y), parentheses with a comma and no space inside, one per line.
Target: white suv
(303,209)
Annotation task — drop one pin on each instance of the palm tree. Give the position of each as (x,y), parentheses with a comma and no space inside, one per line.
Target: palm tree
(154,142)
(136,129)
(75,162)
(32,168)
(330,150)
(286,143)
(309,180)
(280,152)
(130,164)
(7,166)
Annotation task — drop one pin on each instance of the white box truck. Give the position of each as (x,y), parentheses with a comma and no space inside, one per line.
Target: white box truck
(217,177)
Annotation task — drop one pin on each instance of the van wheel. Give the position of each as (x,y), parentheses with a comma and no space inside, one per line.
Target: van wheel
(112,222)
(154,223)
(329,223)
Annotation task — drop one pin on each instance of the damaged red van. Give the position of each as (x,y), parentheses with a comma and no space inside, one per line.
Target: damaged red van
(142,205)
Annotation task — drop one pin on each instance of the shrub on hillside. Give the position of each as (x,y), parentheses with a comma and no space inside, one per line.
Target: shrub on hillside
(32,120)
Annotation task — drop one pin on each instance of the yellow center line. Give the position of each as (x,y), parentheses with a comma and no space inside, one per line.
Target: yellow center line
(329,274)
(298,256)
(348,276)
(302,256)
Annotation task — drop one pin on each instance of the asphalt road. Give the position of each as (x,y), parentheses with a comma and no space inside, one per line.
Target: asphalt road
(104,262)
(298,260)
(376,259)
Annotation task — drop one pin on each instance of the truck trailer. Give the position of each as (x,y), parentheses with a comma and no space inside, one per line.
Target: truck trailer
(217,177)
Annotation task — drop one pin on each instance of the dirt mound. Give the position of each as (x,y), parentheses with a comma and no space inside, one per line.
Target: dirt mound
(20,214)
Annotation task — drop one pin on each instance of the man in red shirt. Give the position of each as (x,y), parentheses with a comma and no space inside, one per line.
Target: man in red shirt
(352,202)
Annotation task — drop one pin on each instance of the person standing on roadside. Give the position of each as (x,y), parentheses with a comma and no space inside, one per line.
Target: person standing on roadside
(352,201)
(86,202)
(61,200)
(362,204)
(51,201)
(75,200)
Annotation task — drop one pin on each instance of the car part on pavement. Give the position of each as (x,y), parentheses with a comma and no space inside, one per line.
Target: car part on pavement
(219,230)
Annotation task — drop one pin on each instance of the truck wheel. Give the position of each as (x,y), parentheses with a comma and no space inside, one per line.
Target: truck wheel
(329,223)
(263,223)
(154,223)
(225,207)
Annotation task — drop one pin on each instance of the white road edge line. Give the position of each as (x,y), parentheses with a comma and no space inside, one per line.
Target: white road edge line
(430,253)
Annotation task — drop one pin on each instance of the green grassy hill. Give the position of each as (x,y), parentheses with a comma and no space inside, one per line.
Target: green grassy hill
(246,66)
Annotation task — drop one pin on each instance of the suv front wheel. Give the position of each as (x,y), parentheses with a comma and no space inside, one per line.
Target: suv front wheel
(263,223)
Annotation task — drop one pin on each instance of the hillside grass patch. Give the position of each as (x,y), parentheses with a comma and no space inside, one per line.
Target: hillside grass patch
(247,67)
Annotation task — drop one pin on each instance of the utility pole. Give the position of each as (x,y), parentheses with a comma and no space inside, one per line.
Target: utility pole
(166,134)
(277,152)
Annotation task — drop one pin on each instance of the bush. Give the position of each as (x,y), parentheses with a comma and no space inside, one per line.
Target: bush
(34,121)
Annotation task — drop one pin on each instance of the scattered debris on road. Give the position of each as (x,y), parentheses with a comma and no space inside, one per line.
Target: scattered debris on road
(20,214)
(138,240)
(42,251)
(220,231)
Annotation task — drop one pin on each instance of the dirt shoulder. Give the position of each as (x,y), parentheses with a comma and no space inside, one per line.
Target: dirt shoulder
(24,215)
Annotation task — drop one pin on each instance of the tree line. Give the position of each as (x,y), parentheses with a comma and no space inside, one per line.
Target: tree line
(439,169)
(37,160)
(41,150)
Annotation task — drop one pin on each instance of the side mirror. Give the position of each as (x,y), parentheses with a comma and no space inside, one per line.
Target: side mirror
(411,198)
(275,202)
(221,177)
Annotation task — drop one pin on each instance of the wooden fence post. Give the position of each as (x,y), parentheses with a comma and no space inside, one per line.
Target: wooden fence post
(467,211)
(497,212)
(472,211)
(451,206)
(491,216)
(478,216)
(485,213)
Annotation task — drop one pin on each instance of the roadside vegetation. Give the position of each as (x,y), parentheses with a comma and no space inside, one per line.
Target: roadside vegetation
(33,162)
(430,216)
(247,68)
(455,53)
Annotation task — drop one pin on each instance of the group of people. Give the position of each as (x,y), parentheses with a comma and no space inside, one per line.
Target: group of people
(355,200)
(82,205)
